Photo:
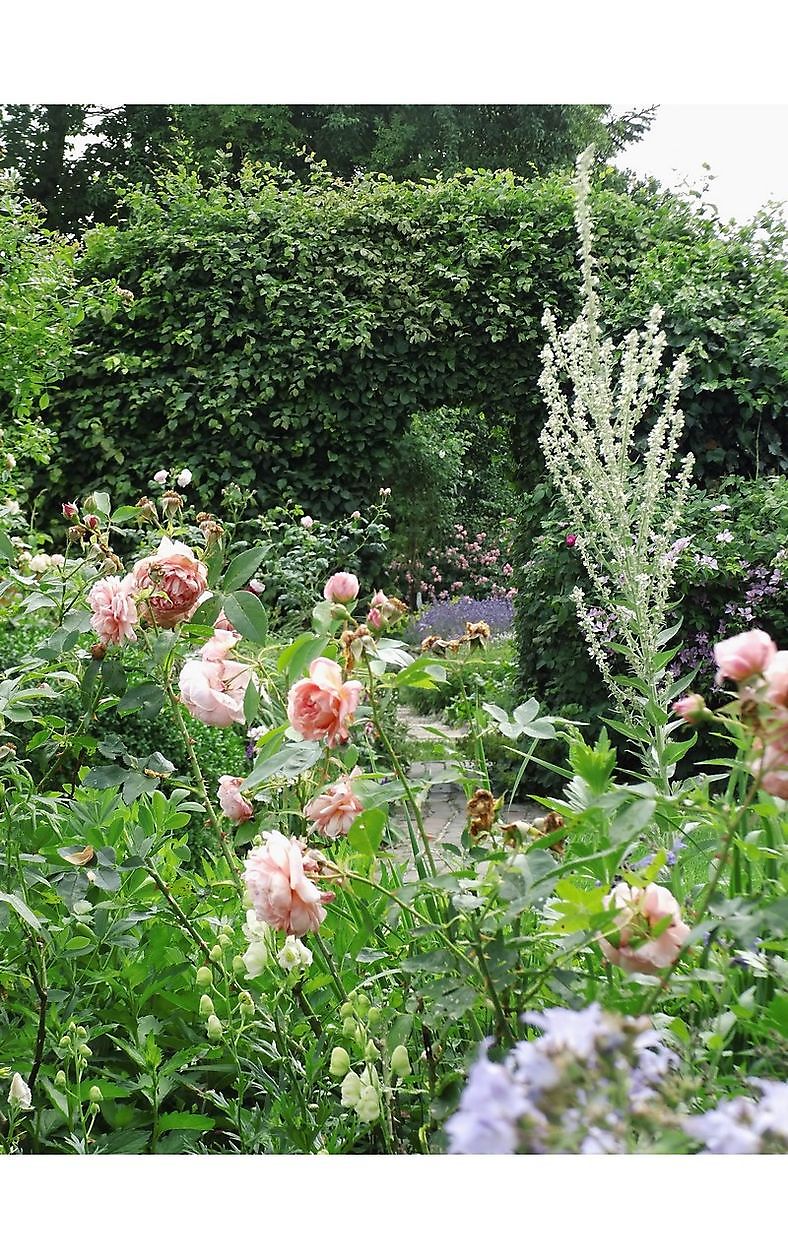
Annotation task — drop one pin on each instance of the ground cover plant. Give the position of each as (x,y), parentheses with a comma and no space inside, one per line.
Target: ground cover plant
(274,954)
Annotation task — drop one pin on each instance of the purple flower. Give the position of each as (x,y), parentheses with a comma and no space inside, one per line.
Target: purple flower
(492,1104)
(727,1130)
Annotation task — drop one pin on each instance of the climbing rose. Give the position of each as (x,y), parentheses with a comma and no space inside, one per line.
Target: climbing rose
(744,655)
(279,889)
(178,580)
(232,804)
(341,588)
(334,811)
(321,706)
(114,611)
(650,905)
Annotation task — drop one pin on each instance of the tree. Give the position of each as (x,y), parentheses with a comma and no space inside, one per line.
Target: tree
(73,159)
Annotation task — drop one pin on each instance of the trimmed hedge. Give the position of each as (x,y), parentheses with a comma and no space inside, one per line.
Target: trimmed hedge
(282,335)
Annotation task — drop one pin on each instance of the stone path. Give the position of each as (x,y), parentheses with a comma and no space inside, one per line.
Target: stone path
(444,801)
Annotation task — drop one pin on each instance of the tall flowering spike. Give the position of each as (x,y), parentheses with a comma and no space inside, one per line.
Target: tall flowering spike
(604,401)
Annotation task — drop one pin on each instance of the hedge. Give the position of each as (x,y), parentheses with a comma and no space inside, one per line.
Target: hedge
(282,335)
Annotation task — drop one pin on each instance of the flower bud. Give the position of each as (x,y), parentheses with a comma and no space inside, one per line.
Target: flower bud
(340,1062)
(82,1032)
(84,1051)
(206,1006)
(92,521)
(245,1000)
(351,1089)
(60,1079)
(95,1095)
(216,954)
(214,1028)
(374,1016)
(400,1063)
(362,1003)
(349,1027)
(346,1009)
(239,966)
(371,1052)
(368,1105)
(70,511)
(65,1042)
(224,940)
(204,977)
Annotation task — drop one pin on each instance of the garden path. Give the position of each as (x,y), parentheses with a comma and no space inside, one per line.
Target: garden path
(444,805)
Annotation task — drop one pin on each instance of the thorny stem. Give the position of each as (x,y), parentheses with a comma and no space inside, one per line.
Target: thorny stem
(199,784)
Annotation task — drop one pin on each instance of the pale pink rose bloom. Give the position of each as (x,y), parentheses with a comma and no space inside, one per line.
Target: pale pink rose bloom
(233,805)
(114,611)
(213,691)
(220,644)
(652,904)
(221,623)
(336,808)
(341,588)
(178,578)
(776,675)
(279,890)
(743,655)
(690,707)
(773,764)
(321,706)
(375,619)
(161,476)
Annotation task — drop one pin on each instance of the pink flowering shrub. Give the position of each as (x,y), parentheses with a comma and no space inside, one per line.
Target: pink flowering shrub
(473,564)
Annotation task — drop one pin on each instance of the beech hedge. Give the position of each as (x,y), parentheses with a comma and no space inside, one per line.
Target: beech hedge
(282,335)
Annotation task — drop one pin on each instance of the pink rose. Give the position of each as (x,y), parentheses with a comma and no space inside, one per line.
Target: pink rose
(321,706)
(220,644)
(177,578)
(690,708)
(232,804)
(773,763)
(384,610)
(281,894)
(70,510)
(221,623)
(743,655)
(213,690)
(114,611)
(641,909)
(334,811)
(776,675)
(570,540)
(341,588)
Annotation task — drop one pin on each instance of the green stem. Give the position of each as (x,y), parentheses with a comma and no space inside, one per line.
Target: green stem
(200,787)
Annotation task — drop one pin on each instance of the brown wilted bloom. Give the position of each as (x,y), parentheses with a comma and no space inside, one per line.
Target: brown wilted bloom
(209,526)
(6,750)
(77,533)
(354,644)
(126,294)
(434,643)
(482,808)
(147,509)
(98,651)
(172,502)
(536,830)
(477,633)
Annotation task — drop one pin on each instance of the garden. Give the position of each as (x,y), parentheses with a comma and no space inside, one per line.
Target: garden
(393,665)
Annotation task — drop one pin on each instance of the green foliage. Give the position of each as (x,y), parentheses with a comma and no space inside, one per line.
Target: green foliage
(41,307)
(427,484)
(128,143)
(282,334)
(713,601)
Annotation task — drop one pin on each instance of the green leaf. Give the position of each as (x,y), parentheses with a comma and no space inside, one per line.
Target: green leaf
(423,673)
(206,613)
(22,909)
(244,566)
(147,697)
(367,831)
(290,762)
(245,612)
(6,548)
(185,1120)
(298,656)
(101,502)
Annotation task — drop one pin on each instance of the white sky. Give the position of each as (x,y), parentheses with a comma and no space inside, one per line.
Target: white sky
(746,147)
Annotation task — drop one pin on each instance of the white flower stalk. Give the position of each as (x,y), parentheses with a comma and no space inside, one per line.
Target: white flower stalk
(604,402)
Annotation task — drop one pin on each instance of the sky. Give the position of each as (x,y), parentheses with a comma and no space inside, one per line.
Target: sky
(746,147)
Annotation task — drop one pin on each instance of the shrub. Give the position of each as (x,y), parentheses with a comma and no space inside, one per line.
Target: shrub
(472,566)
(282,335)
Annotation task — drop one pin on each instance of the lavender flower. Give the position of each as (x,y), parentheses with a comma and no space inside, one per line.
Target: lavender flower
(744,1126)
(491,1106)
(447,619)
